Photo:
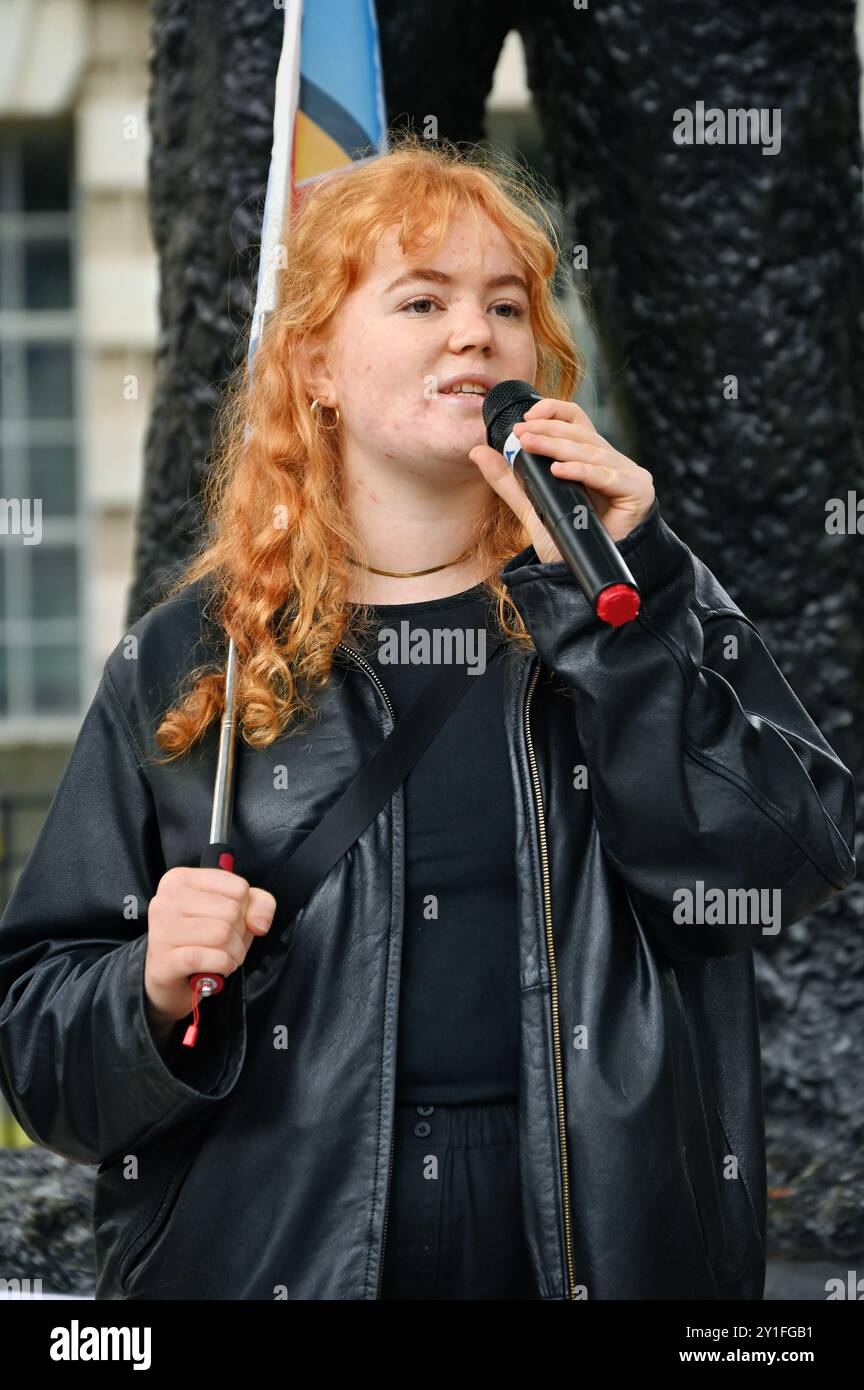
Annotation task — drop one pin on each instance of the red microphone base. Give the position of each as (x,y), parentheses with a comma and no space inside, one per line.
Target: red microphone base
(617,604)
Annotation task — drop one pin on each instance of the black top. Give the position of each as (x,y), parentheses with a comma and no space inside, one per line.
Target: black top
(458,1037)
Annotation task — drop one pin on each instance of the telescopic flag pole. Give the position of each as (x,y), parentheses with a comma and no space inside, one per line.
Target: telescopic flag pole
(218,854)
(336,119)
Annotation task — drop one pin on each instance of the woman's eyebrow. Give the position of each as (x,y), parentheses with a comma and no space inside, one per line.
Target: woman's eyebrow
(442,278)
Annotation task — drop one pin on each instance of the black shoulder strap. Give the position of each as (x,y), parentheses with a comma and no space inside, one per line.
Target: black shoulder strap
(370,791)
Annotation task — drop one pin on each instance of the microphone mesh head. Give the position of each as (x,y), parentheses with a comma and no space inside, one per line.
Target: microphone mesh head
(504,406)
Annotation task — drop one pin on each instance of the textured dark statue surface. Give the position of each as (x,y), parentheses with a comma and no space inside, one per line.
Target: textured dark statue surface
(706,263)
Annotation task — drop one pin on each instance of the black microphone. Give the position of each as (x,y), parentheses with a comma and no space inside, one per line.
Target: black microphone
(564,508)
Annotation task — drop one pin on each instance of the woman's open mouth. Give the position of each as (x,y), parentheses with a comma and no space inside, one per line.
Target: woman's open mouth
(469,398)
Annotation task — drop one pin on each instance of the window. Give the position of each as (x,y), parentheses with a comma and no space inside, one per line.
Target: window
(40,511)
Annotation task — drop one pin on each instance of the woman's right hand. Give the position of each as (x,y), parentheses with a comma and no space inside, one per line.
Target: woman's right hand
(199,920)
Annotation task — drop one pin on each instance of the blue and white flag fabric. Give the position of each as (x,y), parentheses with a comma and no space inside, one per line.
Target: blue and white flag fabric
(329,114)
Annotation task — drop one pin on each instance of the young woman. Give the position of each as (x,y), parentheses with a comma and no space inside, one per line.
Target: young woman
(493,1060)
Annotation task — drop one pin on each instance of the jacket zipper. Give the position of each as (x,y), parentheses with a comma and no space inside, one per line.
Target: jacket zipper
(340,646)
(569,1277)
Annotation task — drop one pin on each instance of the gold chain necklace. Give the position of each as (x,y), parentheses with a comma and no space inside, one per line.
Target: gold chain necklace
(411,574)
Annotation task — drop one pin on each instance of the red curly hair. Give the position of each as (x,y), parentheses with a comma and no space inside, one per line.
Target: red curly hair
(277,560)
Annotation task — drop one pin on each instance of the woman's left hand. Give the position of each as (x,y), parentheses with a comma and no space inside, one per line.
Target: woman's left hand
(621,491)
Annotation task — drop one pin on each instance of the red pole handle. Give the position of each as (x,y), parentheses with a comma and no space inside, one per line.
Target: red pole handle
(203,984)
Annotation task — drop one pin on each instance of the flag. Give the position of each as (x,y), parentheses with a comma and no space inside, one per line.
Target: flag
(329,113)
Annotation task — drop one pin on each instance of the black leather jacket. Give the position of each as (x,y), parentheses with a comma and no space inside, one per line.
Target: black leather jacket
(256,1165)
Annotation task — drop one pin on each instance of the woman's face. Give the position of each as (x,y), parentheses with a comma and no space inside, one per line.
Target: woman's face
(395,349)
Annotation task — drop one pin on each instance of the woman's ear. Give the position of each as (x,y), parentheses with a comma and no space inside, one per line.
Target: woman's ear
(314,365)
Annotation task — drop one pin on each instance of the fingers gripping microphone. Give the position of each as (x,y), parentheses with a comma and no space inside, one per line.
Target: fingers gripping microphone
(564,508)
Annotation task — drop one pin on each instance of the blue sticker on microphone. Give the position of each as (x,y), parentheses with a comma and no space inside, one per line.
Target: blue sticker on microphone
(511,448)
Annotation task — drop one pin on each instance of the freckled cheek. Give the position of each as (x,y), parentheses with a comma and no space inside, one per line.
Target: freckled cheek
(363,389)
(374,411)
(379,399)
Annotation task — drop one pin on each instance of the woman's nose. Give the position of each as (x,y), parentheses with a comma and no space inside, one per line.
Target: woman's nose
(470,327)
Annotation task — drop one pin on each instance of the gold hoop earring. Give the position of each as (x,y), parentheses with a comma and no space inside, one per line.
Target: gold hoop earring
(315,406)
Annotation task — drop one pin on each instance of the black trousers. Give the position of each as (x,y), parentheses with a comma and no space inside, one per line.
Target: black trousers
(455,1227)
